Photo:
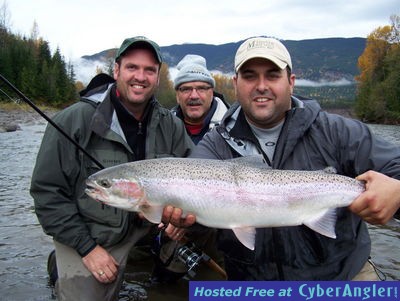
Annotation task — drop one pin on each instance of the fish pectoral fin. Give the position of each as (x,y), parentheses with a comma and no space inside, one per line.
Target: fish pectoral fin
(246,235)
(324,224)
(152,213)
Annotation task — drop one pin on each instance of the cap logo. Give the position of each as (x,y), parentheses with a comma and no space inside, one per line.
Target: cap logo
(267,48)
(260,44)
(198,71)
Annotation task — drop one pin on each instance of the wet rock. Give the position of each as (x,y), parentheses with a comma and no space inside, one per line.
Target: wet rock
(4,128)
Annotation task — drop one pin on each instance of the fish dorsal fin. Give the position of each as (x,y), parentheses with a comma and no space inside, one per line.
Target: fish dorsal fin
(257,161)
(330,170)
(246,235)
(152,213)
(324,224)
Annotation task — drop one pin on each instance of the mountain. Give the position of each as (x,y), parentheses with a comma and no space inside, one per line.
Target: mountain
(329,59)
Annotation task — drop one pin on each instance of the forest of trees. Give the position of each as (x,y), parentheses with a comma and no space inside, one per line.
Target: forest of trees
(378,94)
(27,63)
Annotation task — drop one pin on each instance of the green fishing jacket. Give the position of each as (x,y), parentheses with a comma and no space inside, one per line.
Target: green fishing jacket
(58,182)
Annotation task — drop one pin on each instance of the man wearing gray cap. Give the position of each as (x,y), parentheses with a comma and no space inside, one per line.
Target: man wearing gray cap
(115,123)
(199,106)
(293,133)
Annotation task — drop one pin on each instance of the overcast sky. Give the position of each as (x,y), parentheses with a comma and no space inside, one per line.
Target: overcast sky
(86,27)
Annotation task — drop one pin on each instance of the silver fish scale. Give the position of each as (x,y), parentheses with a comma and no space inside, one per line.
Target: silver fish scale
(236,179)
(238,173)
(178,168)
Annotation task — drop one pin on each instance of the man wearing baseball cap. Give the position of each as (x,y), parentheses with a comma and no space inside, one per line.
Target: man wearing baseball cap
(139,42)
(117,121)
(293,133)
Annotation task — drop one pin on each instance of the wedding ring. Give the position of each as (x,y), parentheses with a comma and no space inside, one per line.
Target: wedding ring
(101,273)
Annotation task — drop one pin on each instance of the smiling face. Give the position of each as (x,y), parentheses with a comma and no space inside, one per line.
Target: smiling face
(264,92)
(137,77)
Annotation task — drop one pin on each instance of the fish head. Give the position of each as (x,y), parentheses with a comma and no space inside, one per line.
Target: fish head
(120,192)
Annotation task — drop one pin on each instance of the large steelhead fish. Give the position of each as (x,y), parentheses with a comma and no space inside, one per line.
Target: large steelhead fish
(239,194)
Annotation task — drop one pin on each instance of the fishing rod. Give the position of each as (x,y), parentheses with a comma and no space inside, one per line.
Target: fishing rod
(41,113)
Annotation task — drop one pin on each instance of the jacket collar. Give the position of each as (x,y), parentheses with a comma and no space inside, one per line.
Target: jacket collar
(105,117)
(237,133)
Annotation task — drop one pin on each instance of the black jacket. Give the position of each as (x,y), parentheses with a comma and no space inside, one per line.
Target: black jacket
(310,140)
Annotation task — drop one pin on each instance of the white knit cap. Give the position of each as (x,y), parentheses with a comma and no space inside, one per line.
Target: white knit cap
(193,68)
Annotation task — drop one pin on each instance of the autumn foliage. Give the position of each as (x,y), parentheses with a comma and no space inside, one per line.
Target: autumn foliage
(378,95)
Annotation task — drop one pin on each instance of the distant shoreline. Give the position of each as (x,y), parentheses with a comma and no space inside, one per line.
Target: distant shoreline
(22,114)
(348,113)
(12,116)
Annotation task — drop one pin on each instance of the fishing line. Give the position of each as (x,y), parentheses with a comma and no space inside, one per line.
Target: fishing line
(41,113)
(16,100)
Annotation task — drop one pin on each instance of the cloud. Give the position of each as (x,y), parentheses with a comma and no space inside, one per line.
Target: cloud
(323,83)
(85,70)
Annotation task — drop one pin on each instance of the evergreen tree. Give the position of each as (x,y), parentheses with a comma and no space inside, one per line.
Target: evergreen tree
(166,93)
(30,66)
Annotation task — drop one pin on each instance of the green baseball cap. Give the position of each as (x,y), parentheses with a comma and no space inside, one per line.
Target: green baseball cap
(140,42)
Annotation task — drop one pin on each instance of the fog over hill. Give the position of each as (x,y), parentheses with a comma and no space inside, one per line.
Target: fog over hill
(316,62)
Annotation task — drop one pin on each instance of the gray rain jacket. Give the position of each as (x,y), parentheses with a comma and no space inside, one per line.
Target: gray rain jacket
(58,181)
(310,140)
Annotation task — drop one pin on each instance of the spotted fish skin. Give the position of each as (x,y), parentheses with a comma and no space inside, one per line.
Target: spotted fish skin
(240,194)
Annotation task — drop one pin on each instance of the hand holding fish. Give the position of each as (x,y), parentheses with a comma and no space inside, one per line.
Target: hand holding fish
(101,264)
(381,198)
(173,215)
(174,233)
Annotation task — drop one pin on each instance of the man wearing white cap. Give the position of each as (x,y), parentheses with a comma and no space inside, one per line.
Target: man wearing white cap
(294,133)
(199,106)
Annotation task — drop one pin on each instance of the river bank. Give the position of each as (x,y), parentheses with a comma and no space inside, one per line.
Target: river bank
(13,115)
(348,113)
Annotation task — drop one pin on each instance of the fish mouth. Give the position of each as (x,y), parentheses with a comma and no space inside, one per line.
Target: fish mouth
(93,190)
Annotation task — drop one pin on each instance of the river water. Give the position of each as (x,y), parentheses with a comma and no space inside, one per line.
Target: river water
(24,247)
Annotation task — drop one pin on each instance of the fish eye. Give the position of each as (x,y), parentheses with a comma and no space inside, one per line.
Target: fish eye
(105,183)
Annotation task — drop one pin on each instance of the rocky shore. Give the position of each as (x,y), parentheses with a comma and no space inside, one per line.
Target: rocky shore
(348,113)
(11,119)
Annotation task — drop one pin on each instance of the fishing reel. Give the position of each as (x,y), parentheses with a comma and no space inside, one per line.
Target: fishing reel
(179,260)
(191,256)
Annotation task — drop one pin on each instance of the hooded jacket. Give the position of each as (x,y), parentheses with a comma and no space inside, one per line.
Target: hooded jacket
(310,139)
(58,181)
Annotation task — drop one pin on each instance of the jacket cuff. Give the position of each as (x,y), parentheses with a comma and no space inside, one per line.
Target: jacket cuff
(87,249)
